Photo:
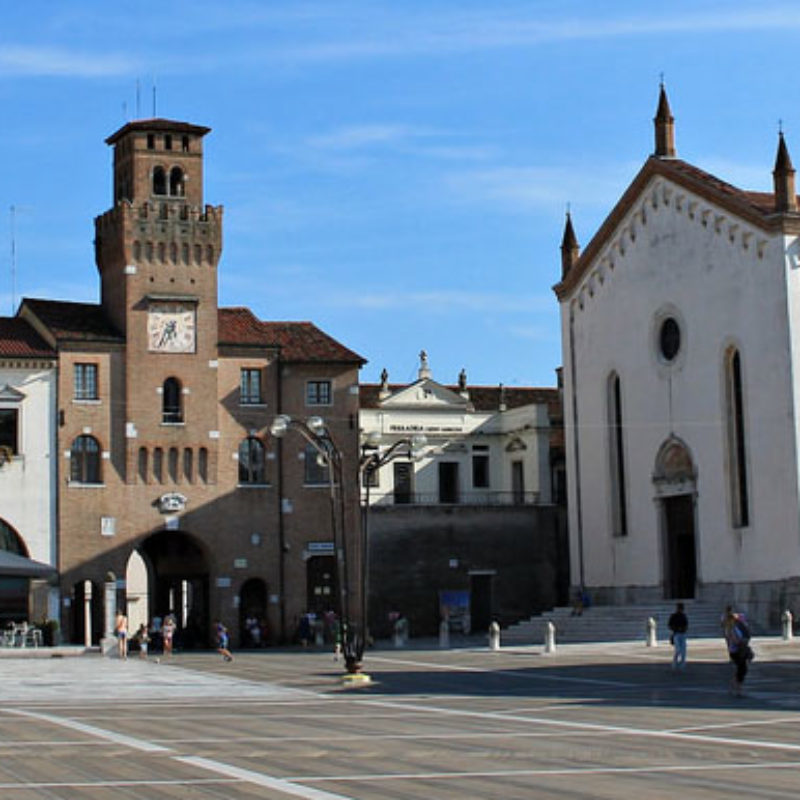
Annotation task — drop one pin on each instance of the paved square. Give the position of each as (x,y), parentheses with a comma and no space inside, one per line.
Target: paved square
(590,721)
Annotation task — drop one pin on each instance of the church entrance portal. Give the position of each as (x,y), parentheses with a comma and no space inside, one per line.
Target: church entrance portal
(681,564)
(178,584)
(675,481)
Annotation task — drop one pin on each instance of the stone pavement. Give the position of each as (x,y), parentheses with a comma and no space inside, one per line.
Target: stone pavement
(589,721)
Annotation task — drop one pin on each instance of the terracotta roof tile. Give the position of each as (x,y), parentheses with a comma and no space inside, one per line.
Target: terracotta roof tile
(73,321)
(483,398)
(298,341)
(19,340)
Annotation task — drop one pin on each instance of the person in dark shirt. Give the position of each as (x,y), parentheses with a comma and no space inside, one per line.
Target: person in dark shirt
(678,625)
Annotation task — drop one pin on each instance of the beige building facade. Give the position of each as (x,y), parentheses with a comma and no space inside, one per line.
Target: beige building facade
(173,496)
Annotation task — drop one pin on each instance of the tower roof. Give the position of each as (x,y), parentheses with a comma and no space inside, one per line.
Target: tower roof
(157,124)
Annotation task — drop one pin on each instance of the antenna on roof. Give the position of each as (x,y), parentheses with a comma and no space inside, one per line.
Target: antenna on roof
(154,98)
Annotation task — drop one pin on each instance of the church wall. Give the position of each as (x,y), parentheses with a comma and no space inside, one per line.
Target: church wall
(723,281)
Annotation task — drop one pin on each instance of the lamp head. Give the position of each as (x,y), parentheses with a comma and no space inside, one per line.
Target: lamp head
(316,425)
(280,425)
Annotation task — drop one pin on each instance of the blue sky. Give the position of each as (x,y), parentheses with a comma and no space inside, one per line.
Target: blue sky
(396,172)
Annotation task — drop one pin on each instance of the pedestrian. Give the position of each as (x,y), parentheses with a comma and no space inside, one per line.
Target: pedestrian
(737,639)
(121,632)
(167,634)
(222,641)
(678,624)
(144,637)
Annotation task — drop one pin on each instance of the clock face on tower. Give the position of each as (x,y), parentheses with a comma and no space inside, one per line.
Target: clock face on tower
(171,327)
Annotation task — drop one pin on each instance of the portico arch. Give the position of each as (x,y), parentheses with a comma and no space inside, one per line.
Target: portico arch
(178,584)
(675,483)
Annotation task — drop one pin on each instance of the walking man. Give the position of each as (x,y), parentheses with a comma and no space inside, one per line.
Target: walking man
(679,624)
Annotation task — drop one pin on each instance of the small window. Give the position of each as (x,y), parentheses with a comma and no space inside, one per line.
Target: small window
(151,141)
(168,141)
(172,464)
(251,461)
(202,464)
(250,387)
(185,144)
(158,464)
(86,381)
(84,460)
(480,470)
(159,181)
(670,339)
(318,393)
(188,465)
(176,185)
(172,411)
(9,429)
(316,470)
(143,464)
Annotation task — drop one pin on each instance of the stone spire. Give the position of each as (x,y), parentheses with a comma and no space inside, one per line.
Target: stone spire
(570,249)
(783,180)
(665,127)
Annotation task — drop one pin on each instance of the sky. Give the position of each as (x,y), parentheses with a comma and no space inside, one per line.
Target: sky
(396,172)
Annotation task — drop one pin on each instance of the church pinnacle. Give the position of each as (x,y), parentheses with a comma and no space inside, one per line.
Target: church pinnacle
(783,179)
(665,127)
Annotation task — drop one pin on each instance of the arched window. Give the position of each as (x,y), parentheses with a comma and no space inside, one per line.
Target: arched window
(10,540)
(172,464)
(188,465)
(84,462)
(185,253)
(176,183)
(171,409)
(202,464)
(736,439)
(143,464)
(158,464)
(251,461)
(159,181)
(616,450)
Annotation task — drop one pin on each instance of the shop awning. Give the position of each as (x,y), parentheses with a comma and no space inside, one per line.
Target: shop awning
(14,566)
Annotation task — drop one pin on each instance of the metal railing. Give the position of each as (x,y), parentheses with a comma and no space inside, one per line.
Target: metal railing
(462,499)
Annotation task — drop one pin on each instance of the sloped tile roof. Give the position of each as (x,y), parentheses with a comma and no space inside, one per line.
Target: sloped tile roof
(483,398)
(69,321)
(757,208)
(298,341)
(19,340)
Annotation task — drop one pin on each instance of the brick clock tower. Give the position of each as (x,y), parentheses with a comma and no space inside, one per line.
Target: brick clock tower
(157,252)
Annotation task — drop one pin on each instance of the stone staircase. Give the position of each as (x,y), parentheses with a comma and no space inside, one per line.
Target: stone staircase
(614,623)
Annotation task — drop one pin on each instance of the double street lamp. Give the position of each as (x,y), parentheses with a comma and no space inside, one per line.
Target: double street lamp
(315,431)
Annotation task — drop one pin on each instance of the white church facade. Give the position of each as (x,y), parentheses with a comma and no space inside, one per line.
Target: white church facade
(681,344)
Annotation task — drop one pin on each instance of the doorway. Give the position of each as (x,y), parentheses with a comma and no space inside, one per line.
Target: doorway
(680,547)
(179,585)
(480,601)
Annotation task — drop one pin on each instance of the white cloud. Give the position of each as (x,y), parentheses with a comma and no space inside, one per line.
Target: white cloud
(524,189)
(59,62)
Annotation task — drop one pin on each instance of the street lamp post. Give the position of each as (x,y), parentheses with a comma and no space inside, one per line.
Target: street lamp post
(372,459)
(316,433)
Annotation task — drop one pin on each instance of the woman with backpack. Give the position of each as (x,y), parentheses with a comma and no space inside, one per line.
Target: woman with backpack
(737,638)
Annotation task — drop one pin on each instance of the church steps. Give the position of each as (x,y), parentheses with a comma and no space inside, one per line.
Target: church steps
(614,623)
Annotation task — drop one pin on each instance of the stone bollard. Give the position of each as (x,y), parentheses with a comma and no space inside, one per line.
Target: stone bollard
(401,632)
(494,636)
(652,641)
(444,634)
(549,638)
(786,621)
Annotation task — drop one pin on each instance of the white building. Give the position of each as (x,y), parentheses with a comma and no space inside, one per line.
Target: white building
(27,470)
(681,347)
(471,527)
(484,445)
